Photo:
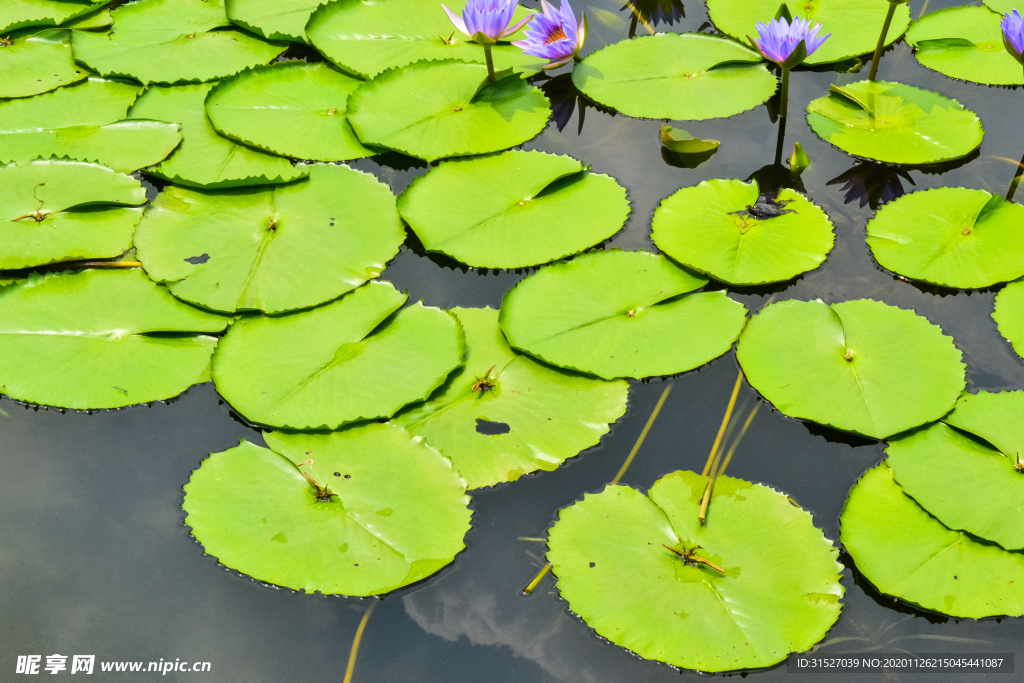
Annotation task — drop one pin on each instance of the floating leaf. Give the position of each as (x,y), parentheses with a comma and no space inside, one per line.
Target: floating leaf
(96,19)
(37,62)
(620,314)
(1002,6)
(15,14)
(907,553)
(710,228)
(681,142)
(292,109)
(274,19)
(399,513)
(434,110)
(273,250)
(671,76)
(206,158)
(349,360)
(514,209)
(895,123)
(99,339)
(1009,314)
(171,41)
(779,591)
(950,236)
(858,366)
(965,43)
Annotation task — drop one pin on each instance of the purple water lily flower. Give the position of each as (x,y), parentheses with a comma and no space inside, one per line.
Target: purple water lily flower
(778,39)
(1013,34)
(487,21)
(554,35)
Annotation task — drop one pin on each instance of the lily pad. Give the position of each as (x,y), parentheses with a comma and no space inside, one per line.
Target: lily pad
(272,250)
(172,41)
(965,43)
(399,514)
(54,211)
(681,142)
(514,209)
(37,62)
(950,236)
(274,19)
(15,14)
(894,123)
(1002,6)
(671,76)
(292,109)
(907,553)
(1009,314)
(358,358)
(205,158)
(545,415)
(433,110)
(709,228)
(620,314)
(859,366)
(778,592)
(100,339)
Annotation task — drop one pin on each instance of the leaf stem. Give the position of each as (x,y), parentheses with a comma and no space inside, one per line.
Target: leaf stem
(532,586)
(784,105)
(490,63)
(355,643)
(881,40)
(1016,181)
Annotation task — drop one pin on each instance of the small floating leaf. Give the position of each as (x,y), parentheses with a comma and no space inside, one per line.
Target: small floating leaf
(37,62)
(681,142)
(15,14)
(1009,314)
(274,19)
(965,43)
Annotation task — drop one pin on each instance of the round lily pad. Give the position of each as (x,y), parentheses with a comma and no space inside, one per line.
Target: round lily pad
(172,41)
(777,592)
(274,250)
(292,109)
(514,209)
(710,229)
(433,110)
(1002,6)
(206,158)
(15,14)
(398,514)
(274,19)
(689,76)
(907,553)
(502,415)
(859,366)
(1009,314)
(37,62)
(99,339)
(358,358)
(950,236)
(894,123)
(966,43)
(620,314)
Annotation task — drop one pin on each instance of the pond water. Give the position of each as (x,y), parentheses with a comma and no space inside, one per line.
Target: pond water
(96,558)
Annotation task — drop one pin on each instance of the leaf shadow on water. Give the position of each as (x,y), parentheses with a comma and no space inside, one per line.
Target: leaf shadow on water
(565,97)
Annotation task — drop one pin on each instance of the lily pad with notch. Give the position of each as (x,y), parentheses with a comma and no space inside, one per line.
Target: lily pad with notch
(274,19)
(966,43)
(1009,314)
(34,62)
(16,14)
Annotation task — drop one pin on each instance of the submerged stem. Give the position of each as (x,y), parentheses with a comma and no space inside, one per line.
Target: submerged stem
(355,643)
(490,63)
(881,40)
(1016,181)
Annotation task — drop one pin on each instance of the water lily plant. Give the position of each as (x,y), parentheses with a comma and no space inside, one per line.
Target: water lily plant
(554,35)
(486,22)
(787,42)
(1013,35)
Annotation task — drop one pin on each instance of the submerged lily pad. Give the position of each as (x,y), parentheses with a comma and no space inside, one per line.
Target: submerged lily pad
(292,109)
(99,339)
(778,592)
(620,314)
(433,110)
(172,41)
(514,209)
(37,62)
(671,76)
(681,142)
(950,236)
(274,19)
(357,358)
(273,250)
(15,14)
(1009,314)
(859,366)
(907,553)
(205,158)
(398,514)
(895,123)
(966,43)
(709,228)
(546,415)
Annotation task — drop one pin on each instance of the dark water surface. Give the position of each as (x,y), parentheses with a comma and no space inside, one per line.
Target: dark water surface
(95,557)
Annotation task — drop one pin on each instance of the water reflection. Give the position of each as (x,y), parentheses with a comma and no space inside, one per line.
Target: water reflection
(870,183)
(565,98)
(650,13)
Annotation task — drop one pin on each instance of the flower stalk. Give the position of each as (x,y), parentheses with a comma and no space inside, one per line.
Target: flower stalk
(881,39)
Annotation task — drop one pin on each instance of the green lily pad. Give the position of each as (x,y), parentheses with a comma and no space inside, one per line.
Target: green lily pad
(400,513)
(292,109)
(544,416)
(620,314)
(276,249)
(433,110)
(99,339)
(894,123)
(708,228)
(172,41)
(965,43)
(854,24)
(671,76)
(15,14)
(859,366)
(205,158)
(779,591)
(37,62)
(53,211)
(274,19)
(514,209)
(96,19)
(358,358)
(368,37)
(681,142)
(1009,314)
(907,553)
(950,236)
(1003,6)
